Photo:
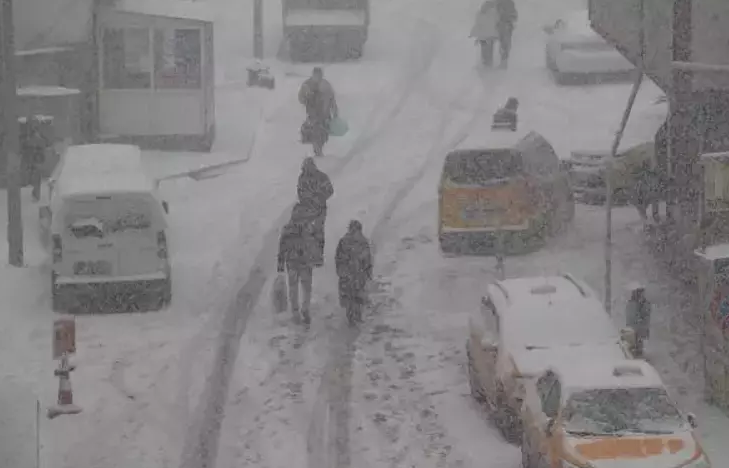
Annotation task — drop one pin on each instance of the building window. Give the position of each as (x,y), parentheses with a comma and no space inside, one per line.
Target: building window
(127,58)
(177,59)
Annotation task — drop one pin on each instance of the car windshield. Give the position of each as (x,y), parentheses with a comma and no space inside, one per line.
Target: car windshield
(622,410)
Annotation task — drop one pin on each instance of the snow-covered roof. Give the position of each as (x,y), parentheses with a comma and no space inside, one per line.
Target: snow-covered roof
(47,91)
(101,159)
(532,362)
(714,252)
(551,311)
(109,184)
(182,9)
(493,139)
(592,372)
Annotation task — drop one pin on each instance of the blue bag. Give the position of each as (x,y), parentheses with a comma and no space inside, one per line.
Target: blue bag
(338,127)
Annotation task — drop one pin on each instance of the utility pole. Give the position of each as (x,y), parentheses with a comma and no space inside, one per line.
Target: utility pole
(258,29)
(680,109)
(10,144)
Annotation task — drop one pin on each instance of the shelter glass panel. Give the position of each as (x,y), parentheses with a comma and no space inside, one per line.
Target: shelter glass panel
(178,58)
(127,58)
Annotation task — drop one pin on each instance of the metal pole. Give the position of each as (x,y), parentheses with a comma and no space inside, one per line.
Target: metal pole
(258,29)
(609,192)
(10,135)
(37,433)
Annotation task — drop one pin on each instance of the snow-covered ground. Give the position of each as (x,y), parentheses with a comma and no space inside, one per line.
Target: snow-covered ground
(394,394)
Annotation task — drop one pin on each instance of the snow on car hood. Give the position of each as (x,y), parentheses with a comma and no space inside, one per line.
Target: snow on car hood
(635,451)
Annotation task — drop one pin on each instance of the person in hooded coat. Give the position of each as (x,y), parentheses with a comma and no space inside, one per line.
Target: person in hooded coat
(354,269)
(297,252)
(34,145)
(314,188)
(484,31)
(317,96)
(505,27)
(638,317)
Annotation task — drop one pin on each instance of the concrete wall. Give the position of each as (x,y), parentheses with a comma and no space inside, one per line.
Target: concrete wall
(44,23)
(619,22)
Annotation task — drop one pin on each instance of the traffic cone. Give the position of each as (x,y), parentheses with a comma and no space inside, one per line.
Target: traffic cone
(65,396)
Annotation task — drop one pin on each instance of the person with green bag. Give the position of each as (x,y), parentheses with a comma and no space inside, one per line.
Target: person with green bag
(317,97)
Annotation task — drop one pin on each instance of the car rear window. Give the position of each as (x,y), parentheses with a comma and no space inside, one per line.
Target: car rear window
(479,167)
(105,216)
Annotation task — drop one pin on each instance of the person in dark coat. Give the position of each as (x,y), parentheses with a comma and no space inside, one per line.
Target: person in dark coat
(34,145)
(354,269)
(296,255)
(314,188)
(506,117)
(638,317)
(507,16)
(317,96)
(646,190)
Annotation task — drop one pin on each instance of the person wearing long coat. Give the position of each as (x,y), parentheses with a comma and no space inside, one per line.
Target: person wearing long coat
(297,255)
(507,15)
(638,317)
(314,189)
(484,31)
(354,269)
(318,98)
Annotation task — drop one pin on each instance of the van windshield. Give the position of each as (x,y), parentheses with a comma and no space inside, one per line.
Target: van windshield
(483,166)
(105,216)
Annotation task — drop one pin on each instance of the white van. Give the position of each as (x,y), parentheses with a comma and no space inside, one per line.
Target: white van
(107,230)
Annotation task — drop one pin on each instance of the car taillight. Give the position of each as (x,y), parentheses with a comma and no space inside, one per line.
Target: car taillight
(57,249)
(161,245)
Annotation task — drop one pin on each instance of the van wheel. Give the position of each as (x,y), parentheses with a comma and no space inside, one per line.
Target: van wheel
(476,390)
(506,419)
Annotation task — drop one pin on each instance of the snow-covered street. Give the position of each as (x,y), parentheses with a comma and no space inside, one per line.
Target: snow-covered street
(220,379)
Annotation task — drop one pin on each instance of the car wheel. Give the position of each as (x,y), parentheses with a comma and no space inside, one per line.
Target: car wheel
(506,419)
(526,458)
(476,389)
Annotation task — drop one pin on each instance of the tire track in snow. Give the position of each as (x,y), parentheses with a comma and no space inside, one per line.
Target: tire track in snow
(331,411)
(201,445)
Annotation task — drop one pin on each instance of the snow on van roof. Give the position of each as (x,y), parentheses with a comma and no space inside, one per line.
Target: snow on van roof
(534,361)
(101,159)
(592,372)
(108,185)
(714,252)
(494,139)
(551,311)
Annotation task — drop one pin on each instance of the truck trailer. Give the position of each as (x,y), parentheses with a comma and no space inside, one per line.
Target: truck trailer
(325,30)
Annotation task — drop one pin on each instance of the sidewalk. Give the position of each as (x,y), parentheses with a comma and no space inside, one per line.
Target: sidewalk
(675,343)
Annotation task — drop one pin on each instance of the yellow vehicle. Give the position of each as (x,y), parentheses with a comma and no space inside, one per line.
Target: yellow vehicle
(507,193)
(588,412)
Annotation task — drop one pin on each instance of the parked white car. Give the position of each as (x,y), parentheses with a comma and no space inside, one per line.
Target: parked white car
(574,50)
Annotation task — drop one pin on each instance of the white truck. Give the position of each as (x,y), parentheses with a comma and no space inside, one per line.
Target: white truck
(325,30)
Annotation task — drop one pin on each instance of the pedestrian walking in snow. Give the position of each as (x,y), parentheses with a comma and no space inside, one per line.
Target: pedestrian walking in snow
(638,317)
(34,145)
(314,188)
(646,191)
(485,32)
(317,96)
(354,269)
(297,252)
(507,16)
(506,117)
